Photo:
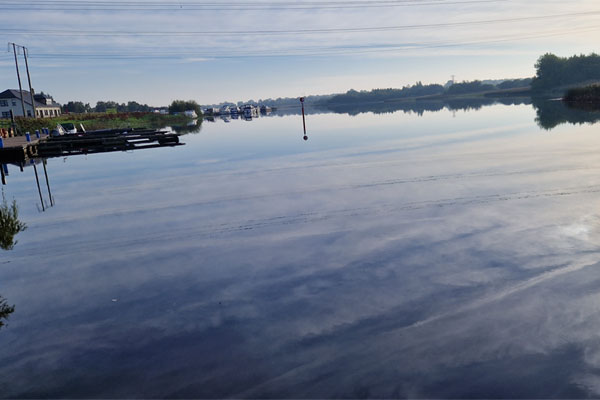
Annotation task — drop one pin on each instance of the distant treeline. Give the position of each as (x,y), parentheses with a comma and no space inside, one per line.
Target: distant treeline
(420,90)
(556,72)
(280,102)
(104,106)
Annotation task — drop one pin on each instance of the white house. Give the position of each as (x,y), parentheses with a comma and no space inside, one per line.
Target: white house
(11,100)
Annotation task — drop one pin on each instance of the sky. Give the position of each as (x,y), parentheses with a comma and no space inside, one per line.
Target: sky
(212,51)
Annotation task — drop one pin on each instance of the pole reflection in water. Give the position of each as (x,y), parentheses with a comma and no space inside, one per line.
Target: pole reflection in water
(34,163)
(37,180)
(44,162)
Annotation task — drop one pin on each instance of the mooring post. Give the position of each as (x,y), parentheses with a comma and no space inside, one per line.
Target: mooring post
(37,133)
(1,143)
(303,119)
(3,176)
(37,180)
(27,136)
(13,123)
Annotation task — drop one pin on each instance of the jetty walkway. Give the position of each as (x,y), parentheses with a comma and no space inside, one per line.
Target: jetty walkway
(18,149)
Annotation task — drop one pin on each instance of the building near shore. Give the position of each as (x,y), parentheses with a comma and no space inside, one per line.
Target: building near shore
(45,106)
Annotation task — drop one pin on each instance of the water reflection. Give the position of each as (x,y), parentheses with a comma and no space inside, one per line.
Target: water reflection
(5,311)
(549,112)
(438,257)
(420,106)
(552,113)
(189,128)
(10,225)
(33,163)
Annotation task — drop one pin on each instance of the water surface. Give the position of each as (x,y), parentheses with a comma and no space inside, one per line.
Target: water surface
(448,254)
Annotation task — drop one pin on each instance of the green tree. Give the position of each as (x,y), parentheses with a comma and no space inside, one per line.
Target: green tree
(553,71)
(104,106)
(179,106)
(76,107)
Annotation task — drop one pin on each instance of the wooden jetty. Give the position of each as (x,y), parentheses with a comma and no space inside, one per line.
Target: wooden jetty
(18,149)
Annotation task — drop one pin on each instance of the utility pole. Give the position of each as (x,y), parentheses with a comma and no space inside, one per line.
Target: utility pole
(19,78)
(29,79)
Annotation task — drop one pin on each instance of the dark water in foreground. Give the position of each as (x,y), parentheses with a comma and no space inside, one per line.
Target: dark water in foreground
(390,255)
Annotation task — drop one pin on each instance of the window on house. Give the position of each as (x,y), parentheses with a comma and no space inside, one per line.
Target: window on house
(14,102)
(29,113)
(5,114)
(3,103)
(46,112)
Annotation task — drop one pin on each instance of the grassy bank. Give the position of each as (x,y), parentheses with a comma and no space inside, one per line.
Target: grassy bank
(94,121)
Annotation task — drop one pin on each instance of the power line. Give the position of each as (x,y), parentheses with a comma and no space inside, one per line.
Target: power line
(65,32)
(143,6)
(311,51)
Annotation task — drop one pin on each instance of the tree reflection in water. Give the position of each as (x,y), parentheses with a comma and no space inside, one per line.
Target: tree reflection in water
(5,311)
(9,223)
(551,113)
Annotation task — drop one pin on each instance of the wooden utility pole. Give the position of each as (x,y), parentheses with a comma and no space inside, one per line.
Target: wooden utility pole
(29,80)
(19,78)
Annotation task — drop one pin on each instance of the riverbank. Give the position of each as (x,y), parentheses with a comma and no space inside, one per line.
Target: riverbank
(587,98)
(94,121)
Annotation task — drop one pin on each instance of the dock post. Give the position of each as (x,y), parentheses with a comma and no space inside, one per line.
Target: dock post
(303,120)
(1,142)
(13,124)
(27,136)
(3,176)
(37,133)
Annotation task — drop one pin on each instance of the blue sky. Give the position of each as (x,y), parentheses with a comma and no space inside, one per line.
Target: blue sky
(211,51)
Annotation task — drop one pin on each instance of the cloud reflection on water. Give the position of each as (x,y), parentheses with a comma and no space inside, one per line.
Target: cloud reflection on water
(374,269)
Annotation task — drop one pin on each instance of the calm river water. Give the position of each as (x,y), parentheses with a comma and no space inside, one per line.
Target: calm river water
(448,254)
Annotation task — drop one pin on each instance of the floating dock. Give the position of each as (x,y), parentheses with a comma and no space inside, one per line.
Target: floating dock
(18,149)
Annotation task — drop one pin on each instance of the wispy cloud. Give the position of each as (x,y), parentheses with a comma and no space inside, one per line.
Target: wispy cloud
(115,41)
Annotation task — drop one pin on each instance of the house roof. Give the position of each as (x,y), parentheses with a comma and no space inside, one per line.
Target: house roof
(15,94)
